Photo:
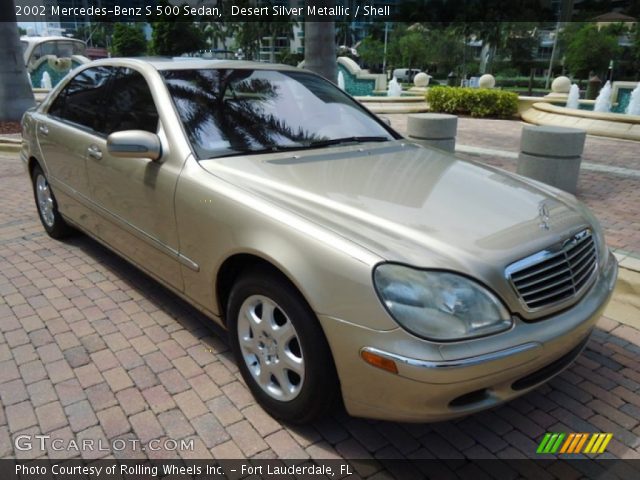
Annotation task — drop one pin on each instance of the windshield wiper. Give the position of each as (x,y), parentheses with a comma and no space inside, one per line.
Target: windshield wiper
(269,149)
(306,146)
(345,140)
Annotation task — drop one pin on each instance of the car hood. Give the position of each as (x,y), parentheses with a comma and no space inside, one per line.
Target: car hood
(411,204)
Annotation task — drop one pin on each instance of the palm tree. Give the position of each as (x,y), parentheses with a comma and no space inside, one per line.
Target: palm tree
(493,36)
(320,46)
(344,32)
(16,95)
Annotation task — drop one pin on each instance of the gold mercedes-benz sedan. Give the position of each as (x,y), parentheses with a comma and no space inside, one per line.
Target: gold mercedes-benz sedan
(343,260)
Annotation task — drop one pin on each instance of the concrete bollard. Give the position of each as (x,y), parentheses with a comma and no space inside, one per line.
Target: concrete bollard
(552,155)
(433,129)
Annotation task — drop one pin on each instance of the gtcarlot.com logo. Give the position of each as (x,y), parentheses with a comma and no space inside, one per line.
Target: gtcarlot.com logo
(563,443)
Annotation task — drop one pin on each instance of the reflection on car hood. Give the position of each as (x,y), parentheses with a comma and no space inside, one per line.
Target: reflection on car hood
(407,203)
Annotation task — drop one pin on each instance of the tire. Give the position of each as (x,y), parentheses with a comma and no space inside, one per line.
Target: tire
(47,206)
(280,348)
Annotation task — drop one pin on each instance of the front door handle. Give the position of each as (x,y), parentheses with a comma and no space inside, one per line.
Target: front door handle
(43,129)
(94,152)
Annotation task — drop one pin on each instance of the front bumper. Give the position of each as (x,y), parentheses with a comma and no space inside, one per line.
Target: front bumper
(441,381)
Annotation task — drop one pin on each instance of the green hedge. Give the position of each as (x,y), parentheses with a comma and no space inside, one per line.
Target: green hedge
(477,102)
(520,82)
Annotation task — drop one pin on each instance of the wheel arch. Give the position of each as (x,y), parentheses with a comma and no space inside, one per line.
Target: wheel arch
(237,264)
(31,164)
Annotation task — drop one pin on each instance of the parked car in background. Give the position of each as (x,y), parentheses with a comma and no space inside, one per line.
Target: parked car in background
(49,59)
(341,258)
(35,48)
(405,75)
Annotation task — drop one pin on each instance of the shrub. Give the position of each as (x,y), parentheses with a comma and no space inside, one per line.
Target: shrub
(478,102)
(519,82)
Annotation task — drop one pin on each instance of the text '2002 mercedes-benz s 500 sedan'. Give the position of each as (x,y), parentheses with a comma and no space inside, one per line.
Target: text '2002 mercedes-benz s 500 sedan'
(344,261)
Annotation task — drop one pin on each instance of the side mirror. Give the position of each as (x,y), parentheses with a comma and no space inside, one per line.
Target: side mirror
(134,143)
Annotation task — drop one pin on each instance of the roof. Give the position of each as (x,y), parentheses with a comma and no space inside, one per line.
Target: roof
(190,63)
(33,39)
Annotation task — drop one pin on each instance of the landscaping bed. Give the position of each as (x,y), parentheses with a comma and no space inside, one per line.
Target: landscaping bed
(9,127)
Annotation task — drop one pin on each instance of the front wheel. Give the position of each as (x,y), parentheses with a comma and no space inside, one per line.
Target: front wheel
(280,348)
(47,206)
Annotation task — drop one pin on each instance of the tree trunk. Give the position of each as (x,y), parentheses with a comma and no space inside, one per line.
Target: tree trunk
(272,48)
(320,47)
(16,95)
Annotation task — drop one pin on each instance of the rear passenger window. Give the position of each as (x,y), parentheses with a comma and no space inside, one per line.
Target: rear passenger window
(84,98)
(131,105)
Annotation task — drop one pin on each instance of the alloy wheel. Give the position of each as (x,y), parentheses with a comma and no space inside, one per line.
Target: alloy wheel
(271,348)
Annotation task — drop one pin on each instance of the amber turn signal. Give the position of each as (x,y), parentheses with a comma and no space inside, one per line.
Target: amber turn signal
(379,361)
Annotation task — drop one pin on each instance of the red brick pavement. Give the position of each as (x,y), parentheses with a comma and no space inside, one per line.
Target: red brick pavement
(90,348)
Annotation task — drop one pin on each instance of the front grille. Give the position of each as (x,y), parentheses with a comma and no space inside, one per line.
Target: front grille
(555,276)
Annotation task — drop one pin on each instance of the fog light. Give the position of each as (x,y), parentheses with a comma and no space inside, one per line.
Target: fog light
(379,361)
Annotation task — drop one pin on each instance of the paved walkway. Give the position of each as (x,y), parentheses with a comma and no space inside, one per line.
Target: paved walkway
(609,179)
(90,348)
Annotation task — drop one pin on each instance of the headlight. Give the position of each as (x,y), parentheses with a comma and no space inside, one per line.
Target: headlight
(439,305)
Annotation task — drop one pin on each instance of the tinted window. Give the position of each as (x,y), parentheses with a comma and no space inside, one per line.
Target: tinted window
(84,99)
(227,112)
(131,105)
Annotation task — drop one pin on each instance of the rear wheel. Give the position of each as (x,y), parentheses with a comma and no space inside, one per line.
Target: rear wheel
(280,348)
(47,206)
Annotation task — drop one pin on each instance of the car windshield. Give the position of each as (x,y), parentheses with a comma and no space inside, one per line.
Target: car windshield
(239,111)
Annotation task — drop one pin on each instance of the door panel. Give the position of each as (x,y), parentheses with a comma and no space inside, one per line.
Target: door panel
(135,195)
(71,124)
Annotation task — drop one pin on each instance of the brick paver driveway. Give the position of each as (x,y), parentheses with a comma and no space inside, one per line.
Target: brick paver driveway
(90,348)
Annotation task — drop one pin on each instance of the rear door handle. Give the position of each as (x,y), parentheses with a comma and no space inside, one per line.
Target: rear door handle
(94,152)
(43,129)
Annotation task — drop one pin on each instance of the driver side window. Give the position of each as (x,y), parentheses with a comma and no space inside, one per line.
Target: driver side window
(131,106)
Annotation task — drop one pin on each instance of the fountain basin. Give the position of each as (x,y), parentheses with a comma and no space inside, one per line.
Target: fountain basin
(405,93)
(526,102)
(402,104)
(614,125)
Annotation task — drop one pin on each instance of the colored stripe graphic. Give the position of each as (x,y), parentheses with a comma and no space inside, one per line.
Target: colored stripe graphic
(567,444)
(594,437)
(582,441)
(605,442)
(573,443)
(543,443)
(599,443)
(556,446)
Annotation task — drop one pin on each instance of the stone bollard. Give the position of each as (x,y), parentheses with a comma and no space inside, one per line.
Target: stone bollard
(552,155)
(433,129)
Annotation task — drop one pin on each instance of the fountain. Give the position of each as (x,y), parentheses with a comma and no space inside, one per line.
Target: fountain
(574,97)
(341,83)
(45,82)
(394,89)
(603,102)
(634,103)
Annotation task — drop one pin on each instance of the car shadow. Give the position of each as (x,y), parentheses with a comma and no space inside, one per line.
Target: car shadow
(513,430)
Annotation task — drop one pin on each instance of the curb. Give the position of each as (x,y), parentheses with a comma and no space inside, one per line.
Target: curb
(627,260)
(11,148)
(10,144)
(624,306)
